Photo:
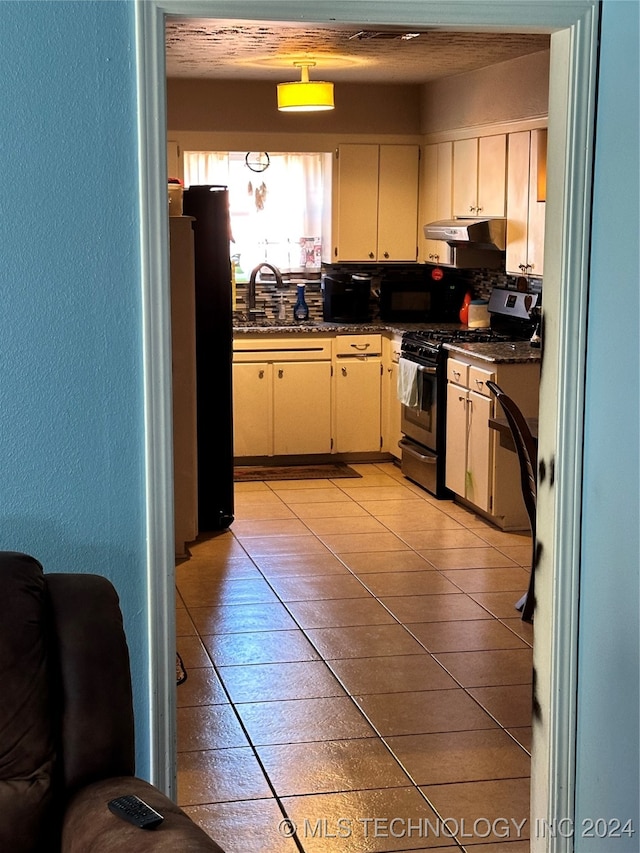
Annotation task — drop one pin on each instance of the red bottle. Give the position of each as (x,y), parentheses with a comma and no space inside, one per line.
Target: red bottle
(464,311)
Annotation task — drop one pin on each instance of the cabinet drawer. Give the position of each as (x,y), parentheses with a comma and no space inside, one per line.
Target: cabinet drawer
(281,349)
(346,345)
(457,371)
(478,379)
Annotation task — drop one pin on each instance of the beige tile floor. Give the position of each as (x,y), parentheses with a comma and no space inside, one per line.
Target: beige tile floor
(355,667)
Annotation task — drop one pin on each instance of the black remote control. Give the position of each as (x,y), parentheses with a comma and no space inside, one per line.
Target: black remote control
(136,811)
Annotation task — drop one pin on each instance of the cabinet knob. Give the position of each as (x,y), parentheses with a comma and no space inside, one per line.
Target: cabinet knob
(280,373)
(456,375)
(371,255)
(479,383)
(472,209)
(386,254)
(478,209)
(261,374)
(344,371)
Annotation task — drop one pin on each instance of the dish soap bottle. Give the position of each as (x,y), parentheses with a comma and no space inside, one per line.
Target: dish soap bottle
(301,309)
(282,311)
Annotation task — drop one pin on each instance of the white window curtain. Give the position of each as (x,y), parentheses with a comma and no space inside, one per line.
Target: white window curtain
(276,215)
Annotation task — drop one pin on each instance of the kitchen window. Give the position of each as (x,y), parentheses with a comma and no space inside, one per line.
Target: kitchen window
(277,213)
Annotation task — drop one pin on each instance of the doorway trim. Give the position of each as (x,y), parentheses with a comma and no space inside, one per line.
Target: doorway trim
(574,29)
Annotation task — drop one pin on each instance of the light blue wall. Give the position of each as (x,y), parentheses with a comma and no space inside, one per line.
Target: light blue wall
(608,748)
(71,428)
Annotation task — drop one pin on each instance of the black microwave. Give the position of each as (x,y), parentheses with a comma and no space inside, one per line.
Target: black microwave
(423,300)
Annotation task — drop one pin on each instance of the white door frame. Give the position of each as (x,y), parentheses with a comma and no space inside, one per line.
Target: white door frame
(574,25)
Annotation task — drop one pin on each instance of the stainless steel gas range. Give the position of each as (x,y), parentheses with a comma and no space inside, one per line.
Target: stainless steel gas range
(513,318)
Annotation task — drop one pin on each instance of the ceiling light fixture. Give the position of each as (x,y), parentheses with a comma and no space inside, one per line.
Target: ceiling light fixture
(306,95)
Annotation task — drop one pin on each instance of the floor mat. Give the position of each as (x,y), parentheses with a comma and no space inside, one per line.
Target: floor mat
(329,471)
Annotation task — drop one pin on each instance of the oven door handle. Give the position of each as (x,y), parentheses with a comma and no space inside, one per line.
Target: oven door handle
(411,449)
(430,370)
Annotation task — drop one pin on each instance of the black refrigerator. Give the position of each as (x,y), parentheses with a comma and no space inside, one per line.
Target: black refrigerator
(209,206)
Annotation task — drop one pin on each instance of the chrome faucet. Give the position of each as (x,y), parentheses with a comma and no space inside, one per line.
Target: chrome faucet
(251,291)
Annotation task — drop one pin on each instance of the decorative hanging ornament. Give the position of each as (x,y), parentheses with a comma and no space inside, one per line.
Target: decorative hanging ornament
(257,161)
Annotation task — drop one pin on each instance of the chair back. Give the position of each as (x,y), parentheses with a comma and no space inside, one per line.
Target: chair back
(525,448)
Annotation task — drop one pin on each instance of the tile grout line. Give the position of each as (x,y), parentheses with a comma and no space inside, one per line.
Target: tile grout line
(327,663)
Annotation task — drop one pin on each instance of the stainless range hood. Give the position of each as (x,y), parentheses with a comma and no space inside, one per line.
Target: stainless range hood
(485,234)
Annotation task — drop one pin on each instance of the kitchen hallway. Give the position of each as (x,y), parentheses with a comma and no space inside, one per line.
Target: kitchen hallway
(356,670)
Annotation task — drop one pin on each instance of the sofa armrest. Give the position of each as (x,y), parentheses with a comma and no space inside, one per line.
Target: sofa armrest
(89,825)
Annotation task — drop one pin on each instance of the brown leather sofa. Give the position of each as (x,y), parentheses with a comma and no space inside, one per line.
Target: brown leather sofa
(66,721)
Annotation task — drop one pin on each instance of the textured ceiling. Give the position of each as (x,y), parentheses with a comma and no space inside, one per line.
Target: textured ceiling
(237,50)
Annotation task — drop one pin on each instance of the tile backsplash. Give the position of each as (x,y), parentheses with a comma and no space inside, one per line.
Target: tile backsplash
(480,282)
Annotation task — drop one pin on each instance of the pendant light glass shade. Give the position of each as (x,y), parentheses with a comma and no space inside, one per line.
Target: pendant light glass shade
(305,96)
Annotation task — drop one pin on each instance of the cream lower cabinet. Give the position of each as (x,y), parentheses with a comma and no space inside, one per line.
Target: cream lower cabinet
(281,396)
(391,406)
(301,408)
(469,456)
(358,394)
(478,468)
(303,395)
(253,409)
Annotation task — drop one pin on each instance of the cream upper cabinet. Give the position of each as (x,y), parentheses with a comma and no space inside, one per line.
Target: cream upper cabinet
(436,165)
(479,176)
(398,202)
(375,203)
(526,190)
(174,160)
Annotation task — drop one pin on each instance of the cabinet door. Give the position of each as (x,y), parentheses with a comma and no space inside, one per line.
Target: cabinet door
(479,480)
(517,202)
(465,177)
(356,221)
(492,175)
(435,199)
(456,456)
(301,407)
(252,409)
(391,406)
(536,210)
(357,423)
(397,203)
(174,160)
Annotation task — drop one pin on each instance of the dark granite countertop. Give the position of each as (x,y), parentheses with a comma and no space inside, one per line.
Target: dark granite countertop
(520,352)
(278,327)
